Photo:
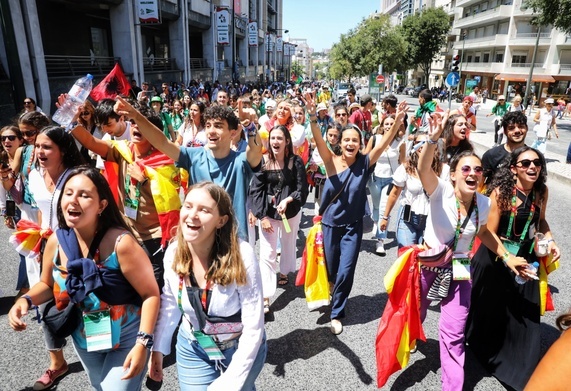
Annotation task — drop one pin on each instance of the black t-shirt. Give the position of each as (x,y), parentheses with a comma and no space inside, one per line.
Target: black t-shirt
(492,160)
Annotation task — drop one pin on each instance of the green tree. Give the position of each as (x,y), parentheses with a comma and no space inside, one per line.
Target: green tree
(426,34)
(343,57)
(551,12)
(297,69)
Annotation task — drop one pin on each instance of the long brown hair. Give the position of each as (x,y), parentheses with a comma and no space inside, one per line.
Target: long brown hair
(411,163)
(226,263)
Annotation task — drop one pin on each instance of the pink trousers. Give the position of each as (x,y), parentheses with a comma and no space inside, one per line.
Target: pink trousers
(453,314)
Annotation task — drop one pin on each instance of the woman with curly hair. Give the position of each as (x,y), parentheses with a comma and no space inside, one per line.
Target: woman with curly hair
(413,201)
(518,201)
(455,137)
(191,131)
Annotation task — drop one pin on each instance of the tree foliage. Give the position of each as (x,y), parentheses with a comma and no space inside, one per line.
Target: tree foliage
(552,12)
(297,69)
(359,52)
(426,33)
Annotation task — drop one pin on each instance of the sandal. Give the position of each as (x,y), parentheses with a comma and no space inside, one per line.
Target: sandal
(283,280)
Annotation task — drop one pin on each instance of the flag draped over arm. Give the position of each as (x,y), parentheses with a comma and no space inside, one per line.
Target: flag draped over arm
(546,266)
(400,325)
(164,178)
(115,83)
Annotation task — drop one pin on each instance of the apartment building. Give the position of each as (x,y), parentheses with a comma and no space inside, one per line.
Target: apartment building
(45,45)
(499,45)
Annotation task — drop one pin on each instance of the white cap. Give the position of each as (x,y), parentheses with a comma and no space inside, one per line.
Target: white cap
(549,100)
(501,97)
(321,107)
(271,103)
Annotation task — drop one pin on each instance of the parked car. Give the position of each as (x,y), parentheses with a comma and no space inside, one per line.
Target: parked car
(340,91)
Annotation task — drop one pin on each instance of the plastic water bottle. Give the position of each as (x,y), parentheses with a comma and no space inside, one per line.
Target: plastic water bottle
(76,96)
(531,269)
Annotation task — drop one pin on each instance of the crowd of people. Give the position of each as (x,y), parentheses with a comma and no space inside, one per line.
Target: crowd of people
(141,216)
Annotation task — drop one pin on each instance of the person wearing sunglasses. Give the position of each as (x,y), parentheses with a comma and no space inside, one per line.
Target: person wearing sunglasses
(457,214)
(519,195)
(341,114)
(31,106)
(87,120)
(545,118)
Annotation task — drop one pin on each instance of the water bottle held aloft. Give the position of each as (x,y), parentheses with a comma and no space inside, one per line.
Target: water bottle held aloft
(75,98)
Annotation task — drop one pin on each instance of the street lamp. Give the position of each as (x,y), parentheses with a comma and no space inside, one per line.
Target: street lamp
(524,8)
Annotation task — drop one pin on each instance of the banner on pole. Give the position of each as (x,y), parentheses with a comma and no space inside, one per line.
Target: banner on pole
(222,26)
(148,11)
(280,44)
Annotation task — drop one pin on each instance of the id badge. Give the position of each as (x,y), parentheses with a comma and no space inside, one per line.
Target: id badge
(97,326)
(207,343)
(512,247)
(460,267)
(131,207)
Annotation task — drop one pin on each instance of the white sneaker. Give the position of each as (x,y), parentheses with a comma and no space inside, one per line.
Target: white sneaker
(336,326)
(380,248)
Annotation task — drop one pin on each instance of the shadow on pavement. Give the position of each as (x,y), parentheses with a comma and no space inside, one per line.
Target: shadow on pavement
(304,344)
(416,372)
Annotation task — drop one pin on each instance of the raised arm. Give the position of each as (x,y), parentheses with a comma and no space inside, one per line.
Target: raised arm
(426,174)
(325,153)
(248,118)
(155,136)
(384,142)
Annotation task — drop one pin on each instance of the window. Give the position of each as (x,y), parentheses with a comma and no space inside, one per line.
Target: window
(519,59)
(477,59)
(499,57)
(486,57)
(469,58)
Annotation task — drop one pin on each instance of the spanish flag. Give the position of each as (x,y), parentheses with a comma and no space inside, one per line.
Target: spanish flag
(546,266)
(400,324)
(164,178)
(27,239)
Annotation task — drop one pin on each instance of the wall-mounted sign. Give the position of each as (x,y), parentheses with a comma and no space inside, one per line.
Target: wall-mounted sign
(222,26)
(253,33)
(148,11)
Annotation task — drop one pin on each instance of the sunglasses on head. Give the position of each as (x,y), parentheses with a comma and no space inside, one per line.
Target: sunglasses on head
(526,163)
(10,137)
(466,170)
(29,133)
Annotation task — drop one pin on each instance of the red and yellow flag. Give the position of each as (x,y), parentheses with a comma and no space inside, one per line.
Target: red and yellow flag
(400,325)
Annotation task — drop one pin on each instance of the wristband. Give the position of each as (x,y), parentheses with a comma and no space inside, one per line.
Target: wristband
(29,300)
(386,218)
(430,141)
(313,121)
(71,126)
(505,257)
(251,130)
(550,240)
(145,339)
(312,115)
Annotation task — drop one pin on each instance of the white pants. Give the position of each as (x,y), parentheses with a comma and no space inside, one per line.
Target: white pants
(268,252)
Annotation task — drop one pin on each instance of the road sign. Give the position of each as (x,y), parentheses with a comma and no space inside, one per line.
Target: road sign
(452,79)
(380,79)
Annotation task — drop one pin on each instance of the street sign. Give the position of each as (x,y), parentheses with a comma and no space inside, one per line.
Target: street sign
(452,79)
(380,79)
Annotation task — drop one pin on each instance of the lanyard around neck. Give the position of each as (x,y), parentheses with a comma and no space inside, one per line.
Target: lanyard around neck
(203,297)
(461,226)
(514,212)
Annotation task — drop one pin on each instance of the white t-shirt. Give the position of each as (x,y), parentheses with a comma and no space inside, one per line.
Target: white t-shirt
(443,217)
(46,201)
(413,193)
(389,160)
(125,136)
(188,138)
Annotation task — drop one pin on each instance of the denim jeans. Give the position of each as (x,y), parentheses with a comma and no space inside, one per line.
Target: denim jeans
(105,368)
(411,232)
(195,370)
(378,188)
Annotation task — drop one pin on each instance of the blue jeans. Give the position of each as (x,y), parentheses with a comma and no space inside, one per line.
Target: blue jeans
(411,232)
(105,368)
(378,188)
(195,370)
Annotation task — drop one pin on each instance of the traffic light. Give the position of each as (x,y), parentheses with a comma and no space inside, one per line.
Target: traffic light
(455,66)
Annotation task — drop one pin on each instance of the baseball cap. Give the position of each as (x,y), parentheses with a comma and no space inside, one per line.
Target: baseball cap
(468,97)
(270,103)
(501,97)
(549,100)
(156,99)
(366,98)
(321,107)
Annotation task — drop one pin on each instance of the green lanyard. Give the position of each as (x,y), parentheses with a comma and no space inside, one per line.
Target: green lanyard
(134,203)
(460,226)
(514,212)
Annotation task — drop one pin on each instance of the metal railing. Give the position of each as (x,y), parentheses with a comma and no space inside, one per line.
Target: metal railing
(533,35)
(527,65)
(565,67)
(198,63)
(159,64)
(57,65)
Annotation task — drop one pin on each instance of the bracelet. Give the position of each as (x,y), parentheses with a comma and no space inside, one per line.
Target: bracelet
(550,240)
(251,130)
(28,298)
(386,218)
(505,256)
(430,141)
(145,339)
(313,121)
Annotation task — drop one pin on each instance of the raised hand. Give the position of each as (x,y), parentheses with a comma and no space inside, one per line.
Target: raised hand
(122,107)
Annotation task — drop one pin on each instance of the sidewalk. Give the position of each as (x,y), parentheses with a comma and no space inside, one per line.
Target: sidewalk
(556,166)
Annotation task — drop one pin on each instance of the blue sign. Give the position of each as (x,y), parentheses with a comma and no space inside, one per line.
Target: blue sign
(477,78)
(453,79)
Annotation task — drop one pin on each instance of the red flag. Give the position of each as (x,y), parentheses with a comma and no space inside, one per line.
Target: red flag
(400,325)
(115,83)
(293,77)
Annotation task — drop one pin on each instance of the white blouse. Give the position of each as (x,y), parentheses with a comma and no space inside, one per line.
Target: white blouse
(225,301)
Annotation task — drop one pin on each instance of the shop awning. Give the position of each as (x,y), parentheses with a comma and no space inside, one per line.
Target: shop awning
(523,77)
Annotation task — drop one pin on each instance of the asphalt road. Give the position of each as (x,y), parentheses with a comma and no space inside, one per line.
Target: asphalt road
(303,354)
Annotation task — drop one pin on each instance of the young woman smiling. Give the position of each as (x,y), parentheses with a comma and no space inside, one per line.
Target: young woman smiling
(455,137)
(343,204)
(277,194)
(519,199)
(457,214)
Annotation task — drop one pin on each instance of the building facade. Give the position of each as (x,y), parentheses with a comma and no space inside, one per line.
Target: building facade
(47,44)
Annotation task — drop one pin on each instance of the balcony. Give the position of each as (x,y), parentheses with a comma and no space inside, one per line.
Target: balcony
(493,15)
(564,69)
(529,39)
(524,67)
(491,67)
(153,64)
(498,40)
(79,65)
(466,3)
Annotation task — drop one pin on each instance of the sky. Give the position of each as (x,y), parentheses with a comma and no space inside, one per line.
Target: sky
(321,22)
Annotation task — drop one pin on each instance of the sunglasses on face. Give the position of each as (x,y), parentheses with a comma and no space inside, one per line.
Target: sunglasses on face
(86,113)
(29,133)
(341,115)
(27,102)
(10,137)
(526,163)
(466,170)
